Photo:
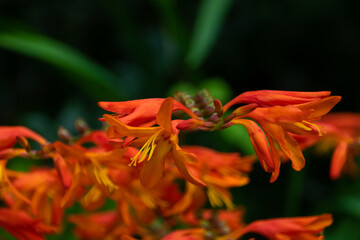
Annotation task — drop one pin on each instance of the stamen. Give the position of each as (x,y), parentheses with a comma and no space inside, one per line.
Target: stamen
(302,126)
(101,177)
(316,126)
(146,150)
(91,196)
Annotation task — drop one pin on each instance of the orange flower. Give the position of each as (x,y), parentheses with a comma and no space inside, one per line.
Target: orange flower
(22,226)
(225,170)
(278,122)
(223,225)
(268,98)
(140,112)
(159,143)
(296,228)
(343,134)
(44,189)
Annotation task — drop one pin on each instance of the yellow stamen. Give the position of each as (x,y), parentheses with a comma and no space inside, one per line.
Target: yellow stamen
(91,196)
(101,176)
(302,126)
(146,150)
(316,126)
(218,197)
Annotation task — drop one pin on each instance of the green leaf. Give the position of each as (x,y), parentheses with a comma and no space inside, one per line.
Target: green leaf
(93,79)
(210,17)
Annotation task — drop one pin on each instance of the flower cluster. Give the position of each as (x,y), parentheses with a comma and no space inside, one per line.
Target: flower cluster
(158,186)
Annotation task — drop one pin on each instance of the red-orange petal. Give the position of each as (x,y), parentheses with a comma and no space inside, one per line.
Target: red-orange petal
(180,157)
(259,143)
(163,117)
(266,98)
(338,159)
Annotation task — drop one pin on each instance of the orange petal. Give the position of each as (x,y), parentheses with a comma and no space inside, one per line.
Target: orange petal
(163,117)
(8,136)
(290,228)
(180,157)
(277,161)
(338,159)
(139,112)
(259,143)
(288,145)
(62,170)
(266,98)
(319,108)
(124,130)
(153,168)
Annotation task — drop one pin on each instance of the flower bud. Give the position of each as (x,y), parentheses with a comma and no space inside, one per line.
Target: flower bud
(214,118)
(245,109)
(189,124)
(208,111)
(218,107)
(64,134)
(81,126)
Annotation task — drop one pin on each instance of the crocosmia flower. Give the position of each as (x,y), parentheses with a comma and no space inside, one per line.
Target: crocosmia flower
(158,143)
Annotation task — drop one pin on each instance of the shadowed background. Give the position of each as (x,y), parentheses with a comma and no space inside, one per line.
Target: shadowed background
(59,58)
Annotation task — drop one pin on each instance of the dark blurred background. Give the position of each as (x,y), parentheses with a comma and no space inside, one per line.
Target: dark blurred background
(59,58)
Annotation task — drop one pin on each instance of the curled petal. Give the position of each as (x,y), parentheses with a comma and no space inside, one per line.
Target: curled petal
(267,98)
(163,117)
(190,124)
(319,108)
(180,157)
(118,129)
(338,159)
(8,136)
(290,228)
(139,112)
(259,143)
(63,170)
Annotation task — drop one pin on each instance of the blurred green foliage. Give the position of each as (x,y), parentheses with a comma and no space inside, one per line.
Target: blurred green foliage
(58,58)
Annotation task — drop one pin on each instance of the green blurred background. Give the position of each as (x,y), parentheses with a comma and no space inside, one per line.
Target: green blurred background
(59,58)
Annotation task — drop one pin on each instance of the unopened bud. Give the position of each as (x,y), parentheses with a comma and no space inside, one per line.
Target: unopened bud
(23,142)
(245,109)
(229,118)
(64,134)
(208,111)
(189,124)
(214,118)
(197,112)
(218,107)
(81,126)
(206,96)
(200,101)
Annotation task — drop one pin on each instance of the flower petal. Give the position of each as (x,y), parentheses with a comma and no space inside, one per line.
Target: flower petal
(125,130)
(153,168)
(163,117)
(338,159)
(266,98)
(180,157)
(259,143)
